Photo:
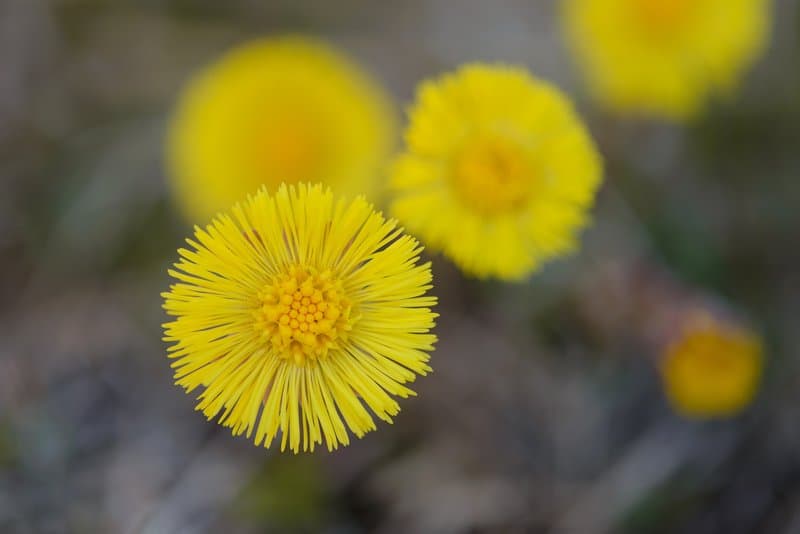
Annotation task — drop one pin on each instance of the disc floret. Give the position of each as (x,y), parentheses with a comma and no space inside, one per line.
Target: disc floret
(304,313)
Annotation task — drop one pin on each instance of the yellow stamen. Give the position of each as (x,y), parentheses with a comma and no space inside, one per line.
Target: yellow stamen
(297,333)
(662,18)
(289,148)
(493,175)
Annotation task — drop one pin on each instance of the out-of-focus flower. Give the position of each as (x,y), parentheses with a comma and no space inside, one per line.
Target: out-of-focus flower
(664,57)
(300,313)
(712,368)
(498,173)
(272,111)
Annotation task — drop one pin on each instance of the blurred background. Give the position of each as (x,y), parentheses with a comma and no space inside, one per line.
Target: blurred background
(545,411)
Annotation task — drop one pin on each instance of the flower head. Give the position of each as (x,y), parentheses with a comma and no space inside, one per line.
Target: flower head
(300,314)
(276,110)
(664,57)
(498,172)
(712,369)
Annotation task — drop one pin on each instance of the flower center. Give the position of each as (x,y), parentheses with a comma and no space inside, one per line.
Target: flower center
(716,353)
(662,18)
(289,149)
(493,175)
(304,314)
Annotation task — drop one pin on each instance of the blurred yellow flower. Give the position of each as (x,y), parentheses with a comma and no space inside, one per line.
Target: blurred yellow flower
(712,369)
(498,173)
(664,57)
(300,314)
(272,111)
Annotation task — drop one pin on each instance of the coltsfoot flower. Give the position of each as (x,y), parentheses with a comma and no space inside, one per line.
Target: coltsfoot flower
(276,110)
(711,369)
(664,58)
(301,315)
(498,173)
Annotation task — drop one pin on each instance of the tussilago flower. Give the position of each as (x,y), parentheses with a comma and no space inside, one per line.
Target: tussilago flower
(712,369)
(301,315)
(271,111)
(498,173)
(664,57)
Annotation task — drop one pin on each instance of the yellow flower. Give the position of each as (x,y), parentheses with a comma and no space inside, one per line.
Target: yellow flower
(300,314)
(271,111)
(664,57)
(498,173)
(712,369)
